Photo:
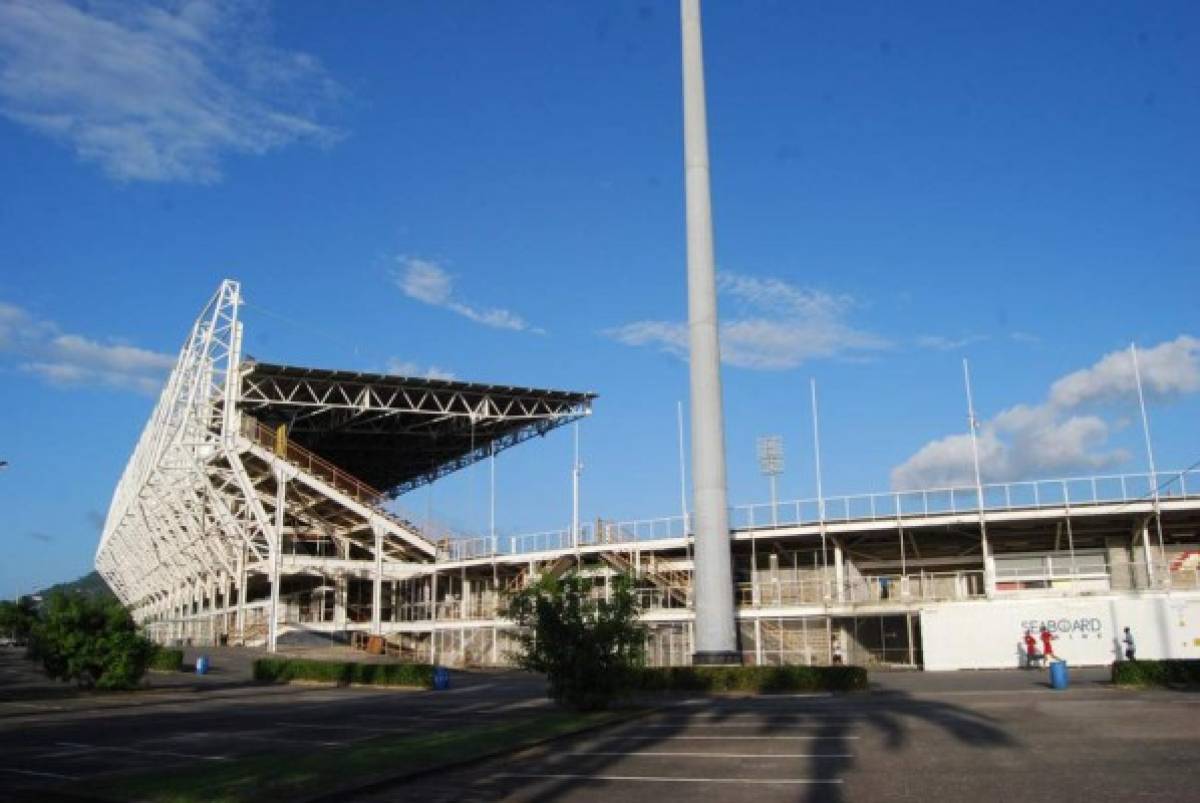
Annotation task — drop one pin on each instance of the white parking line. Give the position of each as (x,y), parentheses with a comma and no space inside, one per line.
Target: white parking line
(708,725)
(41,774)
(254,737)
(744,738)
(661,754)
(662,779)
(112,748)
(346,727)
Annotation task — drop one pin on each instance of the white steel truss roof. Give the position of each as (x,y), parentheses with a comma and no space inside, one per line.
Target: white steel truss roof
(204,495)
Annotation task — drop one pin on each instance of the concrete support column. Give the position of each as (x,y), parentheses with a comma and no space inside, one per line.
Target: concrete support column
(241,594)
(340,597)
(276,543)
(377,582)
(839,572)
(1147,553)
(989,566)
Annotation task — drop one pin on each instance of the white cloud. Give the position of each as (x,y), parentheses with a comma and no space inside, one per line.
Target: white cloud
(428,282)
(1168,369)
(60,358)
(157,92)
(771,326)
(1057,437)
(940,343)
(398,367)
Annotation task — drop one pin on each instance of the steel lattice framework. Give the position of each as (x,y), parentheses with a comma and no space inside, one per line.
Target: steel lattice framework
(239,457)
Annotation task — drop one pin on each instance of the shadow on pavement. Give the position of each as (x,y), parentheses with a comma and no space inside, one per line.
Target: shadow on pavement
(891,714)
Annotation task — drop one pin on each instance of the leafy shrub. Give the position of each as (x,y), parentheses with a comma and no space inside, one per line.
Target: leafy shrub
(343,673)
(588,648)
(165,660)
(90,641)
(1156,673)
(757,679)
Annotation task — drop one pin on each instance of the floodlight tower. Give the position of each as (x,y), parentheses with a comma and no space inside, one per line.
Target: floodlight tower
(770,463)
(715,639)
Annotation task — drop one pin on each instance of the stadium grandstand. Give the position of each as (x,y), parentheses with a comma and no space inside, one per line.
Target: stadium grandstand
(255,510)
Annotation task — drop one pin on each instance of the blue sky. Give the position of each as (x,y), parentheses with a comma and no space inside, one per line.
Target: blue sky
(494,191)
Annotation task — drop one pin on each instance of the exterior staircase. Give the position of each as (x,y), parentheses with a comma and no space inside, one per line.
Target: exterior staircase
(674,583)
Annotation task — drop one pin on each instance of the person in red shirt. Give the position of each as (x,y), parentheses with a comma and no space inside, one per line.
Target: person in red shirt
(1047,644)
(1031,653)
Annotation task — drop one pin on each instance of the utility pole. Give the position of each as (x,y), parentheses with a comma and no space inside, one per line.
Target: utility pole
(715,639)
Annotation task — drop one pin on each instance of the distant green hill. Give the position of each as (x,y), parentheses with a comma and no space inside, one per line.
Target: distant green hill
(91,584)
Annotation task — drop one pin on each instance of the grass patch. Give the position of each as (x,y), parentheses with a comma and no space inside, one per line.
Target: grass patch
(165,660)
(288,776)
(343,673)
(1172,673)
(754,679)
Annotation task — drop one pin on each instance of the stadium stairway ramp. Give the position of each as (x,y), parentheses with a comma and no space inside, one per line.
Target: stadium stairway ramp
(275,443)
(672,582)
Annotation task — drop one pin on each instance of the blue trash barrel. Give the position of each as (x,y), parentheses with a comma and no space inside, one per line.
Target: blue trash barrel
(1058,675)
(202,665)
(441,678)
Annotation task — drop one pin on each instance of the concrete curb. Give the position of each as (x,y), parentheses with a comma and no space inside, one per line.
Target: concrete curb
(378,784)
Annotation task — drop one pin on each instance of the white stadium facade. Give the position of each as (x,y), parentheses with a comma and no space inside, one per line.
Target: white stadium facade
(254,511)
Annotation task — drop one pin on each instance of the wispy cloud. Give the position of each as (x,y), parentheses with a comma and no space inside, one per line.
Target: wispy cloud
(428,282)
(61,358)
(940,343)
(157,91)
(1065,433)
(398,367)
(771,325)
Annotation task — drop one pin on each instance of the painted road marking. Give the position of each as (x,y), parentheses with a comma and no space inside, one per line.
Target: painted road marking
(661,754)
(663,779)
(744,738)
(346,727)
(775,726)
(112,748)
(41,774)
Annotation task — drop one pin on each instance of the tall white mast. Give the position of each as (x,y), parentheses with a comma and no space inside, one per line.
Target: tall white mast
(1137,377)
(715,636)
(973,425)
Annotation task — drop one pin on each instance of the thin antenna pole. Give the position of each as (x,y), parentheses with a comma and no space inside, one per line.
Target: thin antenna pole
(683,504)
(812,385)
(492,517)
(576,469)
(1137,376)
(973,425)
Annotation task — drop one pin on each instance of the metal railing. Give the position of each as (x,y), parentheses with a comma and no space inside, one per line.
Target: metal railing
(310,462)
(1080,491)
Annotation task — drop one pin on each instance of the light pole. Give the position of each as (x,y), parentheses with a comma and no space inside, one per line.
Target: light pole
(715,639)
(770,463)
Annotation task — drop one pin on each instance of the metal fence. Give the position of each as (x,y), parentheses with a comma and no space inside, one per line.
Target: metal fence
(1078,492)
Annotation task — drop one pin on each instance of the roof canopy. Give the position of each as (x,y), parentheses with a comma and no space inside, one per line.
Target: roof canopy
(395,432)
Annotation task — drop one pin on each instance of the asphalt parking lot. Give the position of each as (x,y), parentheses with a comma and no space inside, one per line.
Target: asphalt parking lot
(976,736)
(48,735)
(995,736)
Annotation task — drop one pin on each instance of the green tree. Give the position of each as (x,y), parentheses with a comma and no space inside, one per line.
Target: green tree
(586,646)
(90,641)
(17,618)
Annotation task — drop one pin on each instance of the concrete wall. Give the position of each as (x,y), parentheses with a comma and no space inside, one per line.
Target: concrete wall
(988,635)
